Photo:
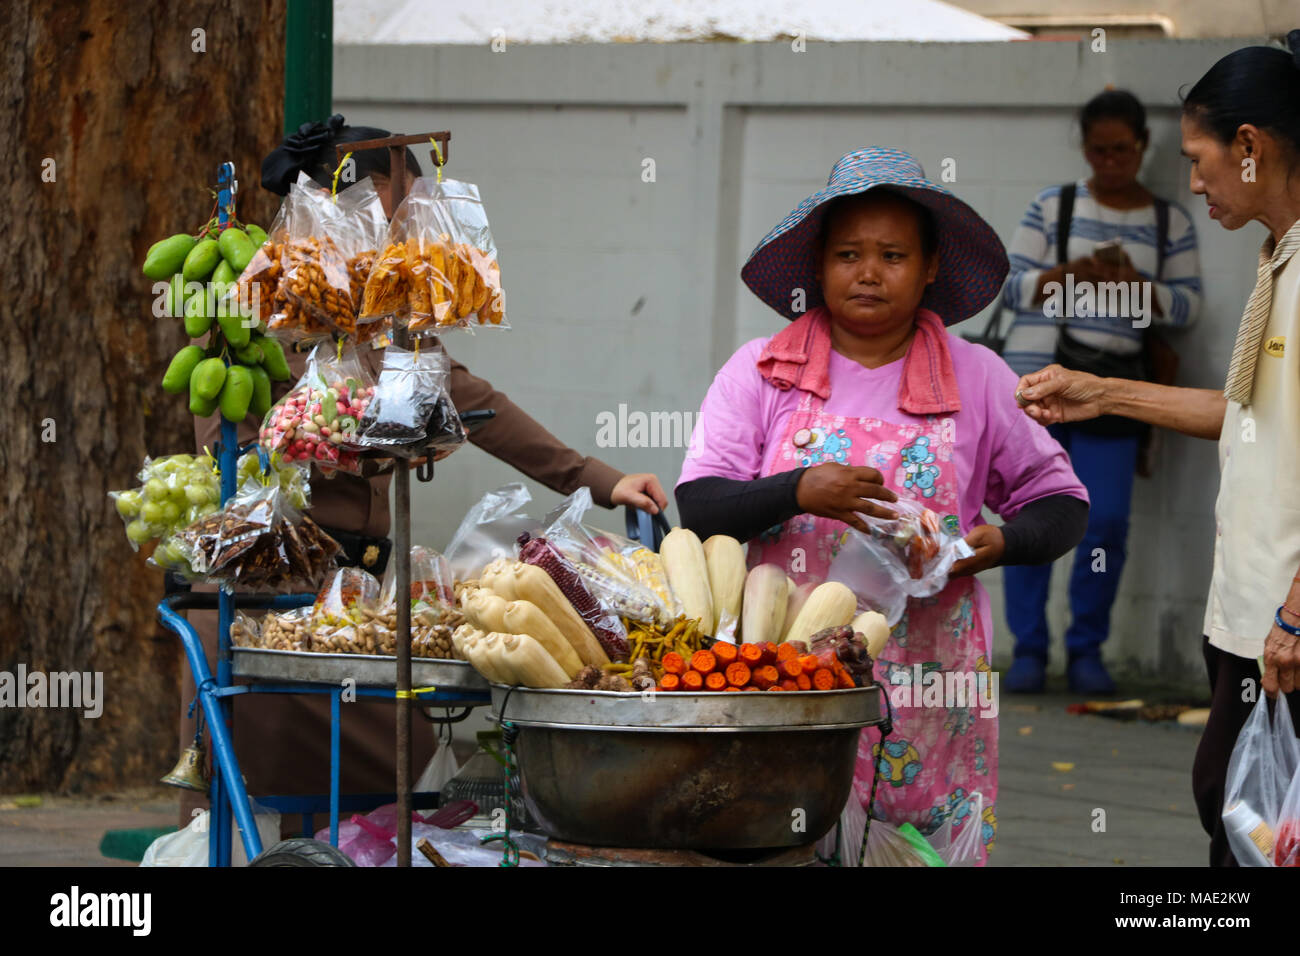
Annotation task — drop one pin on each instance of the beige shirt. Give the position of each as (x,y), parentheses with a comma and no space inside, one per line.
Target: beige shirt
(1257,515)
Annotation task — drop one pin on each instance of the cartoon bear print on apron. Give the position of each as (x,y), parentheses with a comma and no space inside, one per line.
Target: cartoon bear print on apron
(938,753)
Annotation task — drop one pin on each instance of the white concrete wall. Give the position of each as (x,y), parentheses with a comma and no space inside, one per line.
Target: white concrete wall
(623,291)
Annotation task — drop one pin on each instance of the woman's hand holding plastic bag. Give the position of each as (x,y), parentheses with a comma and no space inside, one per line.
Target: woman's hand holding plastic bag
(907,556)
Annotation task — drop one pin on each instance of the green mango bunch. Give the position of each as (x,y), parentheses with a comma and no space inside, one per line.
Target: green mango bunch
(235,369)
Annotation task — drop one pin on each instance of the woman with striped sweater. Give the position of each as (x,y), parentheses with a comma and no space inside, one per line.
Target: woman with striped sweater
(1094,265)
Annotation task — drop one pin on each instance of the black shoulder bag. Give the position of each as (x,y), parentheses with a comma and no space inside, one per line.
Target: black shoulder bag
(1073,354)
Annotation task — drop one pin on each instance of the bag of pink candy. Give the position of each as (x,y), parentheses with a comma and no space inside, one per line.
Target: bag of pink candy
(318,420)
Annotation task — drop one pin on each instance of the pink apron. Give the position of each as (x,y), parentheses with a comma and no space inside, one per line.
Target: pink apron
(937,755)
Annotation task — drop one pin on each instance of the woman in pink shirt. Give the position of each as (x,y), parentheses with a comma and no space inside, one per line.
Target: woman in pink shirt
(866,398)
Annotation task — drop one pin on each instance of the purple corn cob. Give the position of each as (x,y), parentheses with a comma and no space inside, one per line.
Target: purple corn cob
(539,552)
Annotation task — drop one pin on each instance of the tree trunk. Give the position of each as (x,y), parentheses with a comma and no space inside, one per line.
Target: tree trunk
(136,110)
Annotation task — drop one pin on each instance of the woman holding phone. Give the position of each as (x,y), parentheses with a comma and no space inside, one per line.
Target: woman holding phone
(1074,244)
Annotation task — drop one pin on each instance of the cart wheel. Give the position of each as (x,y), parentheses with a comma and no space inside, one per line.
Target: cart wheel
(302,852)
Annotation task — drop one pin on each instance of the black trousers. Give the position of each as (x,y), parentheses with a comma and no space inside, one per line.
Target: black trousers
(1228,714)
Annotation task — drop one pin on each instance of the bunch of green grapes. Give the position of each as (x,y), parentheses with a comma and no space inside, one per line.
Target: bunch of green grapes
(174,492)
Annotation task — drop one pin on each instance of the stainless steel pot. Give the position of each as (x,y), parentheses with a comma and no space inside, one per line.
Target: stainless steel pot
(687,771)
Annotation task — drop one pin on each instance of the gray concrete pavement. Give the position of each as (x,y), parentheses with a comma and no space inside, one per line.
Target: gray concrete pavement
(1139,774)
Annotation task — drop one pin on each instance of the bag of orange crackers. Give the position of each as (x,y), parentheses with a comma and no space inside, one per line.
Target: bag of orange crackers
(439,269)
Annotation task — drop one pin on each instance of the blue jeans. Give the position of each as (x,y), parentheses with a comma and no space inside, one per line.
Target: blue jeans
(1106,466)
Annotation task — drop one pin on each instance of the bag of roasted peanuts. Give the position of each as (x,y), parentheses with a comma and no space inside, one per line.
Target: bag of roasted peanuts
(439,269)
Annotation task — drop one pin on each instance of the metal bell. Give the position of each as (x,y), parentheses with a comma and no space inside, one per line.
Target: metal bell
(190,772)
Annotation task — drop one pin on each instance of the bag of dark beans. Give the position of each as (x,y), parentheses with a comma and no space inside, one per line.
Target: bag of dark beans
(412,409)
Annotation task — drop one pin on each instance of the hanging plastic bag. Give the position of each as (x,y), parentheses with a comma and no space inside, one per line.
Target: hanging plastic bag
(317,422)
(1286,851)
(297,282)
(174,492)
(959,840)
(439,269)
(1263,764)
(887,845)
(600,566)
(361,240)
(411,409)
(442,767)
(488,531)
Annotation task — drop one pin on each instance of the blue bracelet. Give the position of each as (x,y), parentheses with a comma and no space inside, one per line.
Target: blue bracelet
(1277,619)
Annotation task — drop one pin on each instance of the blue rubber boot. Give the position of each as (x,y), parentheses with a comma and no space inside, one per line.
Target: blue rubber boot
(1027,675)
(1087,675)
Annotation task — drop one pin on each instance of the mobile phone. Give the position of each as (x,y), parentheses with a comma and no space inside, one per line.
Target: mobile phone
(1110,252)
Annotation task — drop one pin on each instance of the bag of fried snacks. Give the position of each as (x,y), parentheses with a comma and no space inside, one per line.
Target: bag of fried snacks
(439,269)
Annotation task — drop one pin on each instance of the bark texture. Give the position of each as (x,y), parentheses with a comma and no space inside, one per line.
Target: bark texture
(136,119)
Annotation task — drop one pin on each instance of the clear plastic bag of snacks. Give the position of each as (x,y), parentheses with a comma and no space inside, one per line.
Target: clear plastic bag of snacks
(439,268)
(258,542)
(412,410)
(609,579)
(318,420)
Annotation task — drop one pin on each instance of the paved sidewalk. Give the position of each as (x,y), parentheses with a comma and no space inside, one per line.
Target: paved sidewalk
(65,831)
(1138,773)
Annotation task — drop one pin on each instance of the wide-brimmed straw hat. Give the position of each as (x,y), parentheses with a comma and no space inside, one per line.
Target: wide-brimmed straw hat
(972,260)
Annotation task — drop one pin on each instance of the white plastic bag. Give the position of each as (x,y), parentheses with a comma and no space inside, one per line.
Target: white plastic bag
(962,847)
(189,847)
(1263,764)
(442,767)
(887,845)
(488,531)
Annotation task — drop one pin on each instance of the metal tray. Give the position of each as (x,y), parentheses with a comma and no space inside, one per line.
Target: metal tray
(718,712)
(368,670)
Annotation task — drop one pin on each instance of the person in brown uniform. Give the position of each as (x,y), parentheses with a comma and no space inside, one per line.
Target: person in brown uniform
(291,731)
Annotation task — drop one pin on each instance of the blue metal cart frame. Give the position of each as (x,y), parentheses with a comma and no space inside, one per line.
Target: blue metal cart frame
(216,693)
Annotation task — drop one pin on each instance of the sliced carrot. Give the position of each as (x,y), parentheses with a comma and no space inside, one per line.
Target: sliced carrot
(738,674)
(725,653)
(670,682)
(673,663)
(704,662)
(810,662)
(750,687)
(769,652)
(736,689)
(786,652)
(752,654)
(823,679)
(776,687)
(765,677)
(692,680)
(715,681)
(790,668)
(789,684)
(846,679)
(804,682)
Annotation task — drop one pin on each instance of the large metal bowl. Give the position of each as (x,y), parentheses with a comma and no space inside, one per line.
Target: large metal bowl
(687,771)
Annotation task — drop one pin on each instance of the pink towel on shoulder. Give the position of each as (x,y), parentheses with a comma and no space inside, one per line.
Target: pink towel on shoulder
(799,356)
